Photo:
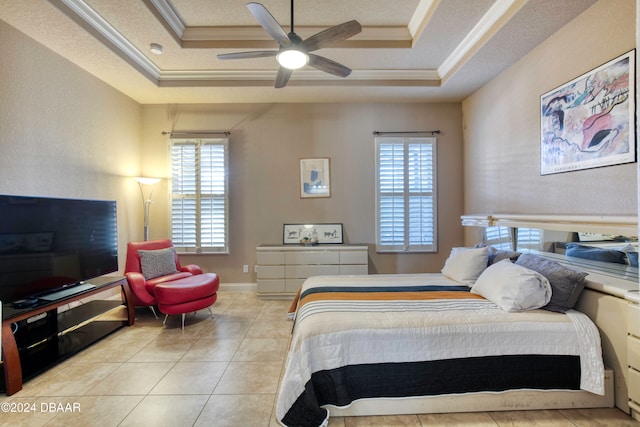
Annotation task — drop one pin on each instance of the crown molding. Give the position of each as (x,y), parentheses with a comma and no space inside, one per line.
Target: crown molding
(168,13)
(113,36)
(421,17)
(176,78)
(492,21)
(357,77)
(237,37)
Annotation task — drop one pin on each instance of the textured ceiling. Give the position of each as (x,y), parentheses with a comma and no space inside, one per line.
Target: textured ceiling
(408,50)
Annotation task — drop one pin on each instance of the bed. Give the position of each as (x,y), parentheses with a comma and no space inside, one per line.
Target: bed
(376,344)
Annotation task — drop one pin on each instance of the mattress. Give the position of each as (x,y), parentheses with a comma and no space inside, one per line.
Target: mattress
(401,336)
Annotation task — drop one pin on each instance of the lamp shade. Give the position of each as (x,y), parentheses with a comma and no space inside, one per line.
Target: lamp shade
(292,59)
(146,180)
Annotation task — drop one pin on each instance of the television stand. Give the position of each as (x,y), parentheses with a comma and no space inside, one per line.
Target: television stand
(36,338)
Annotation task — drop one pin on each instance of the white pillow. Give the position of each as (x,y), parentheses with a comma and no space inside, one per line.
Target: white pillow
(513,287)
(465,264)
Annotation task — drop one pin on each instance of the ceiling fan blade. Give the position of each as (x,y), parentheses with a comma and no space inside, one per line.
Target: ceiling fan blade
(251,54)
(331,35)
(328,66)
(283,77)
(269,23)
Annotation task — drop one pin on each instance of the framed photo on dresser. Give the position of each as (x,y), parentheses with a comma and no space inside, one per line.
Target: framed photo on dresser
(312,234)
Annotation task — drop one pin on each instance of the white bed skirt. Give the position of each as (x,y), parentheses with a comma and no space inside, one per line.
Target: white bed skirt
(481,402)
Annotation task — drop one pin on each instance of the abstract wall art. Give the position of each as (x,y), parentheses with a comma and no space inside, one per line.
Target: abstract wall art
(589,122)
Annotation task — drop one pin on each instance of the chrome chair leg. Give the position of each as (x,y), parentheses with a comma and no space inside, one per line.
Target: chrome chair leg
(153,311)
(165,319)
(183,316)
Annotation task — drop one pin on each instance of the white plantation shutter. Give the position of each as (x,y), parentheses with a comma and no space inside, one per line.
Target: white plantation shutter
(525,238)
(529,238)
(498,237)
(199,206)
(406,194)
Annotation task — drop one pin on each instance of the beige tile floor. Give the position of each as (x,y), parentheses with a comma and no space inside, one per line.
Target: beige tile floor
(218,372)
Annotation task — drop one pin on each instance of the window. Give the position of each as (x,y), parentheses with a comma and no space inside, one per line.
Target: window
(529,238)
(503,238)
(406,194)
(199,197)
(498,237)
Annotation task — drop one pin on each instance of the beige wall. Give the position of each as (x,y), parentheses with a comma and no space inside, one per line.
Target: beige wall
(64,133)
(266,144)
(502,126)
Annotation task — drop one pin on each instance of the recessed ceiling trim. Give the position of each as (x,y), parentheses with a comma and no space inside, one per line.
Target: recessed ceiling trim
(306,74)
(300,75)
(119,42)
(169,14)
(421,17)
(234,37)
(492,21)
(255,37)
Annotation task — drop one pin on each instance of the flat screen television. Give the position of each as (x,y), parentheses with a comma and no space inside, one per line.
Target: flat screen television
(47,244)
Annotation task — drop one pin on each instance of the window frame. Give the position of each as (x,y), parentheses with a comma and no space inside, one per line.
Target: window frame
(406,246)
(198,247)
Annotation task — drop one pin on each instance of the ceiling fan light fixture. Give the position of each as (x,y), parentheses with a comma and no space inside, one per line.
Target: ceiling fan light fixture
(292,59)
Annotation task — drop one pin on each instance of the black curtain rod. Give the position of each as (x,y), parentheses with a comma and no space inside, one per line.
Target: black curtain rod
(432,132)
(221,132)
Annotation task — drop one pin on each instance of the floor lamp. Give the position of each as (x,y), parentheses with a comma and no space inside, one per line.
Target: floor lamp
(146,203)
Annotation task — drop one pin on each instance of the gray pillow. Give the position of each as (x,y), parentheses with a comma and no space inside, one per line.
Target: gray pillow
(155,263)
(566,283)
(497,255)
(596,254)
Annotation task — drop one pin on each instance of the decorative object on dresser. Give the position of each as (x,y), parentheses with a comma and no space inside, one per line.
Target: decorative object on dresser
(281,269)
(311,234)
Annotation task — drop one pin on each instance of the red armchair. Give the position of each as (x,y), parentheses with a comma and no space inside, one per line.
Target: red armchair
(180,292)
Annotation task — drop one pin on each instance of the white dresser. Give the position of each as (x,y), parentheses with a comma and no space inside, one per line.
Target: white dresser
(633,352)
(281,269)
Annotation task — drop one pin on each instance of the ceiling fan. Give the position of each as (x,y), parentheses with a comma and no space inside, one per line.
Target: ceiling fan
(294,52)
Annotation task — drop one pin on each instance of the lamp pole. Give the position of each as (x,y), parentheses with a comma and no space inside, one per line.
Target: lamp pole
(146,202)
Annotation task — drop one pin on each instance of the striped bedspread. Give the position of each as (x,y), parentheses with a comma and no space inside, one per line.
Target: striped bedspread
(423,334)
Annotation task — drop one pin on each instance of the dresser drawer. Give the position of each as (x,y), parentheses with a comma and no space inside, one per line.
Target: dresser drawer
(633,352)
(634,385)
(270,271)
(633,310)
(270,258)
(282,269)
(312,257)
(354,257)
(270,285)
(304,271)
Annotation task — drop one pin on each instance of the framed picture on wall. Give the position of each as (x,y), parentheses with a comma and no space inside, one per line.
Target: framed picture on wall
(590,121)
(315,178)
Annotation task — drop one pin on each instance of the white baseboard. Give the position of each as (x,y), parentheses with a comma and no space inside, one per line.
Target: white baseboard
(239,287)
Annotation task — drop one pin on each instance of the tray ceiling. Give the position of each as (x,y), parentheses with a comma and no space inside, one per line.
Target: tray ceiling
(408,51)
